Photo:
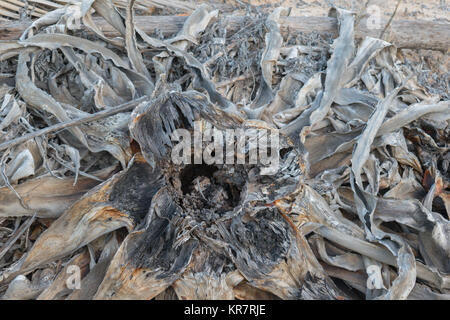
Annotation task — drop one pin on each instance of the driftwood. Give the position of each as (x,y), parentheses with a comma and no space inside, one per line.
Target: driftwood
(414,34)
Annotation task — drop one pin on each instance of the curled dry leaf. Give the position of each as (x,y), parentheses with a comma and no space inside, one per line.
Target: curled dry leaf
(359,192)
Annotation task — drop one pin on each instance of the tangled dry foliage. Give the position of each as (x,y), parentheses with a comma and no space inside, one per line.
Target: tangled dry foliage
(20,9)
(358,207)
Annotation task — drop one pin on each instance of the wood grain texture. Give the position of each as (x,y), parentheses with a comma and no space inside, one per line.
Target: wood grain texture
(419,34)
(47,196)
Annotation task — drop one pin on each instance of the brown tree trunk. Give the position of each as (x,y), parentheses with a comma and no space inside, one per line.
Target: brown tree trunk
(417,34)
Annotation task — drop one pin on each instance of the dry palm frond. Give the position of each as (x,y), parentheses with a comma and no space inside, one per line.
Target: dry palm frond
(17,9)
(359,194)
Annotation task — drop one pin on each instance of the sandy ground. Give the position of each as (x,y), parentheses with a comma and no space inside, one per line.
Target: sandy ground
(434,10)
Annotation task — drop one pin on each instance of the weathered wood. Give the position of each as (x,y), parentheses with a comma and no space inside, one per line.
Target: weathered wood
(414,34)
(58,288)
(121,201)
(46,196)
